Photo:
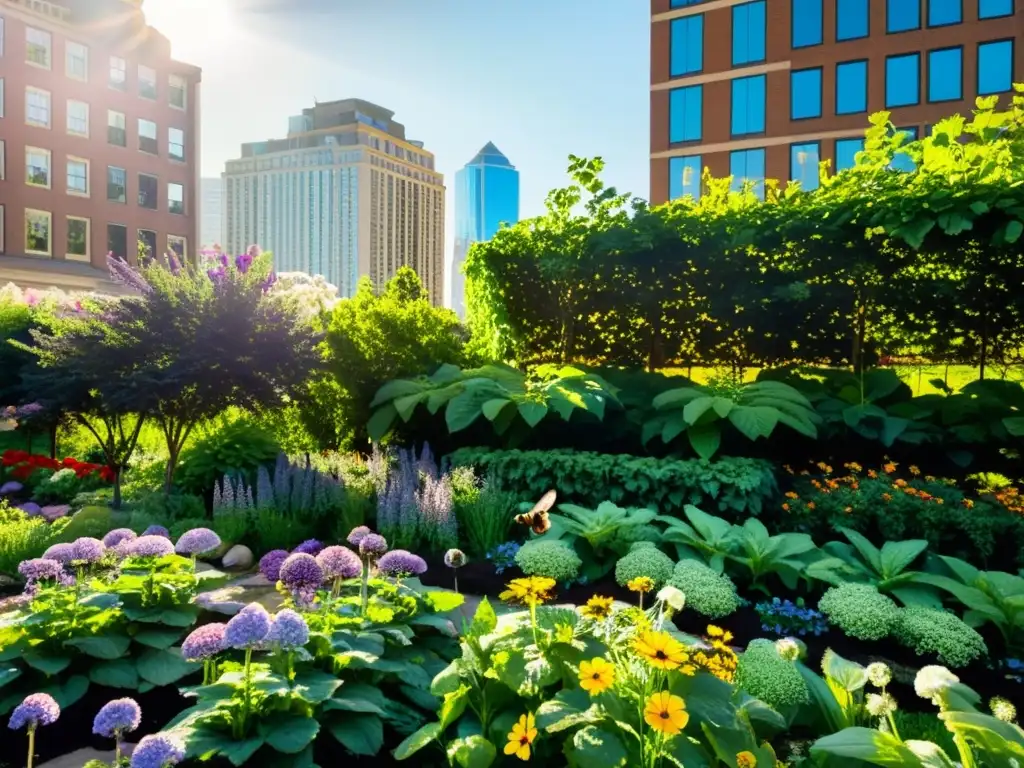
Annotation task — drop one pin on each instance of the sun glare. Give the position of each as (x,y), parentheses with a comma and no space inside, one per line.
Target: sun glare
(192,24)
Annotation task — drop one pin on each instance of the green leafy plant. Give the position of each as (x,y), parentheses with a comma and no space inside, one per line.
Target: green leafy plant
(599,535)
(227,447)
(550,558)
(485,515)
(886,568)
(927,630)
(708,593)
(859,610)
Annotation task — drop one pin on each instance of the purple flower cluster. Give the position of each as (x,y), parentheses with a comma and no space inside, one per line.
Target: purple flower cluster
(356,535)
(157,530)
(88,550)
(39,569)
(62,553)
(157,751)
(339,563)
(118,535)
(401,563)
(198,541)
(248,628)
(270,564)
(12,486)
(289,630)
(117,718)
(150,546)
(37,709)
(30,508)
(373,545)
(309,547)
(54,512)
(204,643)
(301,571)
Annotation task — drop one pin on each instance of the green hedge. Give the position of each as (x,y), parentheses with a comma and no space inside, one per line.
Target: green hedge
(735,487)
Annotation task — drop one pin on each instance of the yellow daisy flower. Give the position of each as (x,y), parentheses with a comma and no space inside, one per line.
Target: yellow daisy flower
(661,650)
(746,759)
(596,676)
(534,590)
(597,608)
(666,713)
(640,584)
(523,734)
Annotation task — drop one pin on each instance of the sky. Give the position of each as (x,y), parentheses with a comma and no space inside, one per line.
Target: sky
(540,78)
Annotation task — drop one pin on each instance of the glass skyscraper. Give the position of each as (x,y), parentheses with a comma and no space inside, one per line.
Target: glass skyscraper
(486,196)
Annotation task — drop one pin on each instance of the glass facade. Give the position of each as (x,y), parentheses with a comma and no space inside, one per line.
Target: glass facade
(749,33)
(902,15)
(805,94)
(991,9)
(687,45)
(684,175)
(807,23)
(946,74)
(685,113)
(944,12)
(748,105)
(683,3)
(903,80)
(747,165)
(803,164)
(995,67)
(846,153)
(852,20)
(851,87)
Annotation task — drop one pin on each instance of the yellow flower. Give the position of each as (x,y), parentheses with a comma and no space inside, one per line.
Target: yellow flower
(666,713)
(564,633)
(534,590)
(792,495)
(853,466)
(718,633)
(746,759)
(641,584)
(523,734)
(914,470)
(872,474)
(887,497)
(661,650)
(968,504)
(811,505)
(890,467)
(597,608)
(785,507)
(596,676)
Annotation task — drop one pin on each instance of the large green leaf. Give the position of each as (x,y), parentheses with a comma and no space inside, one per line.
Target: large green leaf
(570,707)
(594,747)
(45,663)
(898,555)
(472,752)
(869,745)
(705,440)
(163,667)
(381,421)
(1002,743)
(361,734)
(158,638)
(358,697)
(315,686)
(395,389)
(493,408)
(1014,425)
(290,733)
(533,412)
(105,647)
(754,421)
(417,741)
(115,674)
(697,408)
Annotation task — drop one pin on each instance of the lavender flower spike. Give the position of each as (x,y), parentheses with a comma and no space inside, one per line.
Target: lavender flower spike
(289,630)
(118,535)
(270,564)
(157,751)
(117,718)
(248,628)
(373,545)
(399,563)
(198,541)
(37,709)
(357,534)
(204,643)
(339,563)
(122,272)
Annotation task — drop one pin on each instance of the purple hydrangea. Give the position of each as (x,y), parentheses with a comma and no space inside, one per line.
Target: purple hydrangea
(455,558)
(88,550)
(118,535)
(30,508)
(289,630)
(157,751)
(204,643)
(270,563)
(373,545)
(11,486)
(62,553)
(357,534)
(197,542)
(150,546)
(339,563)
(40,568)
(301,571)
(309,547)
(249,627)
(157,530)
(116,718)
(401,563)
(54,512)
(37,709)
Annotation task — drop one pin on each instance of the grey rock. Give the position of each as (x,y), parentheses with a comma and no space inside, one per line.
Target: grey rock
(238,558)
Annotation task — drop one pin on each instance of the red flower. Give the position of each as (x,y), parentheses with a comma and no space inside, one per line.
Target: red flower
(22,471)
(13,456)
(107,474)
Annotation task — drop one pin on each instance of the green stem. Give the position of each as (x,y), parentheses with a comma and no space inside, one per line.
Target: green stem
(966,756)
(364,588)
(892,725)
(247,691)
(31,745)
(117,748)
(533,622)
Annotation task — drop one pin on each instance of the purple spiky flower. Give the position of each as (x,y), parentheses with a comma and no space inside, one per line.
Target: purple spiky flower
(62,553)
(157,751)
(398,563)
(309,547)
(357,534)
(116,536)
(373,545)
(39,569)
(339,563)
(37,709)
(88,550)
(198,541)
(204,643)
(289,630)
(248,628)
(301,571)
(117,718)
(270,563)
(150,546)
(157,530)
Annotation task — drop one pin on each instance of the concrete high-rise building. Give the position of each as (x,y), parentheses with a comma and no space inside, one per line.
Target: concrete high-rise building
(344,195)
(99,141)
(486,196)
(768,89)
(211,229)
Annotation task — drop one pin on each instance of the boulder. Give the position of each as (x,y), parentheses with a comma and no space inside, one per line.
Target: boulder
(238,558)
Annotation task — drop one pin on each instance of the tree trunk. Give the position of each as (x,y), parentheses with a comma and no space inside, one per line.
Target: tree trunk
(53,441)
(172,464)
(116,503)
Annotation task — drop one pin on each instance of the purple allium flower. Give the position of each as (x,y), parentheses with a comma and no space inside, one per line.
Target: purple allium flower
(150,546)
(302,571)
(197,541)
(117,718)
(118,535)
(249,627)
(39,569)
(304,597)
(30,508)
(204,642)
(309,547)
(88,550)
(289,630)
(455,558)
(157,751)
(157,530)
(12,486)
(357,534)
(37,709)
(373,544)
(67,580)
(339,563)
(62,553)
(54,512)
(270,563)
(401,563)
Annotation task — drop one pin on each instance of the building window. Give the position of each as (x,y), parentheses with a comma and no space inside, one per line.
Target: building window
(78,176)
(901,161)
(37,167)
(178,246)
(803,164)
(685,116)
(748,105)
(2,35)
(684,177)
(117,185)
(942,13)
(147,137)
(37,107)
(118,76)
(851,87)
(149,191)
(945,74)
(747,165)
(147,239)
(76,65)
(117,133)
(147,82)
(78,118)
(995,67)
(902,80)
(687,46)
(902,15)
(991,9)
(78,239)
(176,143)
(38,229)
(852,20)
(684,3)
(117,241)
(176,89)
(805,93)
(748,33)
(1,97)
(807,23)
(38,47)
(176,198)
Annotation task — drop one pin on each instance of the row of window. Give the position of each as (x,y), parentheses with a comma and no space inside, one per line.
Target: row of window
(39,237)
(853,22)
(39,53)
(944,82)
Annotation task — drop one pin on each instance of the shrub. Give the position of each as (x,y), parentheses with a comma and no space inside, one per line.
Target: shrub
(176,506)
(859,610)
(62,486)
(485,516)
(552,559)
(765,675)
(89,521)
(644,559)
(226,448)
(23,537)
(927,630)
(708,593)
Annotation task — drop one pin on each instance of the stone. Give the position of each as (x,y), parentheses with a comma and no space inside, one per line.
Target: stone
(82,756)
(238,558)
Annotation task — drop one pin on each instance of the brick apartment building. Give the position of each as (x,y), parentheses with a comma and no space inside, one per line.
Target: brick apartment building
(99,141)
(767,89)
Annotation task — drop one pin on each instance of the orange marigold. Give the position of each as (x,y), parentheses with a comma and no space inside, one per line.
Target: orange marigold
(887,497)
(810,505)
(792,495)
(785,507)
(968,503)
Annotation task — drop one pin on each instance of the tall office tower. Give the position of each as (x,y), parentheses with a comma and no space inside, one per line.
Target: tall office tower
(99,141)
(769,88)
(344,195)
(486,196)
(211,229)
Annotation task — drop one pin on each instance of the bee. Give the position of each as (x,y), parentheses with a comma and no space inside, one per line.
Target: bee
(537,518)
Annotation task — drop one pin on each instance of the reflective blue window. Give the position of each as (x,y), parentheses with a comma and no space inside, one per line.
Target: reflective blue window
(851,87)
(852,20)
(803,164)
(684,177)
(990,9)
(846,152)
(943,12)
(901,15)
(902,80)
(748,105)
(748,33)
(687,54)
(995,67)
(685,113)
(747,165)
(805,93)
(901,161)
(806,23)
(682,3)
(945,74)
